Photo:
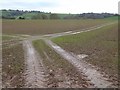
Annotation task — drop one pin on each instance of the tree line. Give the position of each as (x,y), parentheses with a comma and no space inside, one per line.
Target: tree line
(20,14)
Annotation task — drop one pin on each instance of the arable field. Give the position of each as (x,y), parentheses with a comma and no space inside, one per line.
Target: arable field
(30,60)
(38,27)
(12,61)
(101,46)
(12,66)
(61,72)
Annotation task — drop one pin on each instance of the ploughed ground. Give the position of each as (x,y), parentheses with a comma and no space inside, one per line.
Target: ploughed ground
(42,64)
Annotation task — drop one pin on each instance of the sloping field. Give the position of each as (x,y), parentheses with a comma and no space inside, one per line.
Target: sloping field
(100,45)
(37,27)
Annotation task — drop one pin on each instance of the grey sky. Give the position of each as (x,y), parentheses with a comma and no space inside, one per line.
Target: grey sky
(62,6)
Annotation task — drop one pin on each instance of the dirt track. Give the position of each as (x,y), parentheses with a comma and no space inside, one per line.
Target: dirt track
(35,72)
(93,75)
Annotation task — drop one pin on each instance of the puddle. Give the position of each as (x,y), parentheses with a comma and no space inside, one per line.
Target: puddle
(75,32)
(81,56)
(68,32)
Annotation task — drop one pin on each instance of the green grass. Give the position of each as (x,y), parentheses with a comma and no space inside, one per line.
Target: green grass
(6,37)
(112,18)
(37,27)
(101,45)
(28,15)
(13,37)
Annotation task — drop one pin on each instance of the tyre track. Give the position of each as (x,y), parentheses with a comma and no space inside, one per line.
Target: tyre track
(92,74)
(35,71)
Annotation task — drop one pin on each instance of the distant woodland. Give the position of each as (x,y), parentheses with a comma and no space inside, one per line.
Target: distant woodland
(20,14)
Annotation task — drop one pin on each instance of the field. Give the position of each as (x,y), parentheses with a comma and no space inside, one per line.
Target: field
(30,15)
(12,66)
(40,27)
(12,61)
(60,73)
(100,45)
(30,60)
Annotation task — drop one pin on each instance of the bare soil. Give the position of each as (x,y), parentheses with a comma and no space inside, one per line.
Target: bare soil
(38,27)
(62,74)
(35,71)
(48,65)
(13,66)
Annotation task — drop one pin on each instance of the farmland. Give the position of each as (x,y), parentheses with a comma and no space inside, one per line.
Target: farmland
(12,61)
(40,27)
(100,45)
(60,73)
(13,66)
(31,55)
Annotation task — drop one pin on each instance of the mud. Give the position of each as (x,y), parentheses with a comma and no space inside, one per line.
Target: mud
(35,71)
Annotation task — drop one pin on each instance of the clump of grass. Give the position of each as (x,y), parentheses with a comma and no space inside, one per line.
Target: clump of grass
(5,37)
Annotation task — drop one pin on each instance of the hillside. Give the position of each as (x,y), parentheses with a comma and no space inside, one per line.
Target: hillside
(20,14)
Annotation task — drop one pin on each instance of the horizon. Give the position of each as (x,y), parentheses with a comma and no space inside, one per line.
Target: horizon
(57,13)
(63,7)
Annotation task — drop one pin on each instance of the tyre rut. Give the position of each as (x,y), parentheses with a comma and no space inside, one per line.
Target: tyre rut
(35,71)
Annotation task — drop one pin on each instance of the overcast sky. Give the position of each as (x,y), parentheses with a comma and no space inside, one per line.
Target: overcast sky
(62,6)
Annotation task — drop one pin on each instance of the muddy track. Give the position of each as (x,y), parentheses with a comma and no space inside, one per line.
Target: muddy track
(92,74)
(35,71)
